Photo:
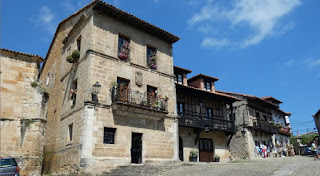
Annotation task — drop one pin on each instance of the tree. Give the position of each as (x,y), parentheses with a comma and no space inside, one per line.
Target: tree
(307,139)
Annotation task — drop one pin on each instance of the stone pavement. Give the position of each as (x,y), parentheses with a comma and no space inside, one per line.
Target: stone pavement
(295,166)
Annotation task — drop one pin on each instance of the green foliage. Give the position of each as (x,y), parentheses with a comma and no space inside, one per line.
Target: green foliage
(75,54)
(307,139)
(113,84)
(217,156)
(70,59)
(34,84)
(292,139)
(194,153)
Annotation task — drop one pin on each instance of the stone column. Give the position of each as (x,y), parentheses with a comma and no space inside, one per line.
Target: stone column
(86,139)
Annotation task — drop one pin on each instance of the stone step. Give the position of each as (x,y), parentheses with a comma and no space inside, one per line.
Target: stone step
(141,170)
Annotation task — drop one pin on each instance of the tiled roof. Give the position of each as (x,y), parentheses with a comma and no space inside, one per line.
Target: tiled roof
(135,22)
(316,113)
(256,98)
(38,58)
(214,93)
(270,97)
(182,69)
(202,76)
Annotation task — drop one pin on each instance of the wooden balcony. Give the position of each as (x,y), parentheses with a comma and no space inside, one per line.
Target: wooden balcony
(198,121)
(127,102)
(264,127)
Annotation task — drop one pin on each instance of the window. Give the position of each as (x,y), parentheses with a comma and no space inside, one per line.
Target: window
(207,86)
(73,92)
(258,115)
(70,131)
(152,94)
(151,57)
(108,135)
(79,43)
(123,47)
(180,108)
(209,112)
(179,78)
(48,79)
(122,89)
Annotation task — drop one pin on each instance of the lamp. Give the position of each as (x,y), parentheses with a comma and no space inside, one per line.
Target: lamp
(95,90)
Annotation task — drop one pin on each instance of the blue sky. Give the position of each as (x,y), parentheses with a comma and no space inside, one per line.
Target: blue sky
(262,48)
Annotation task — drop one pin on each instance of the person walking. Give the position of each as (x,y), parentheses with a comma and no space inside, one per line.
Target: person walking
(314,150)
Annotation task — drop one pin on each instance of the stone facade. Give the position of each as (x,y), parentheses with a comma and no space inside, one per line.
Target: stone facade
(76,142)
(206,121)
(257,121)
(23,110)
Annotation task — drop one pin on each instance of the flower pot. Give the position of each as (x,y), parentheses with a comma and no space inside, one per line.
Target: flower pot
(216,159)
(193,158)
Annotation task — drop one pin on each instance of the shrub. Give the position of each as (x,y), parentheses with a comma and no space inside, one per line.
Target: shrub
(75,54)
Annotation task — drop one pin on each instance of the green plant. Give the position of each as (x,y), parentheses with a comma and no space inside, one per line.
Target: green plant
(75,54)
(217,156)
(279,125)
(70,59)
(34,84)
(72,106)
(194,153)
(113,84)
(272,123)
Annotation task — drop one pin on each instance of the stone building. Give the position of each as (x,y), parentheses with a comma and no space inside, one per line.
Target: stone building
(255,125)
(316,118)
(128,116)
(282,120)
(23,110)
(206,121)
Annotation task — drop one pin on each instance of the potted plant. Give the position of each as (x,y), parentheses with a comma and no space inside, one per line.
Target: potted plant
(75,55)
(194,155)
(70,59)
(216,158)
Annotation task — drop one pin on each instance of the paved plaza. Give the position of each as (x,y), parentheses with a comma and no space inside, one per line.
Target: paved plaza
(295,166)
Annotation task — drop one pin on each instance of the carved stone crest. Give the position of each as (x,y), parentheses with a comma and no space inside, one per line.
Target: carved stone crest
(139,78)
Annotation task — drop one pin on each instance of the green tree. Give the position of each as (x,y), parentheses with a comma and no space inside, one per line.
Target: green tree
(307,139)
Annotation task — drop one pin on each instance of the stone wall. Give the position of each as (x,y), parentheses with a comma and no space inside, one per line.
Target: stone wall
(23,110)
(220,140)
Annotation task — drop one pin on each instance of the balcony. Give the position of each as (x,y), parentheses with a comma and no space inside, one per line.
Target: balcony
(264,127)
(198,121)
(284,131)
(145,105)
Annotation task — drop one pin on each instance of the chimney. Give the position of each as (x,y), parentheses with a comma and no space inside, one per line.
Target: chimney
(213,87)
(185,80)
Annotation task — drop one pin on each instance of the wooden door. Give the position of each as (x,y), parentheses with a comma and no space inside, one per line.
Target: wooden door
(136,148)
(206,150)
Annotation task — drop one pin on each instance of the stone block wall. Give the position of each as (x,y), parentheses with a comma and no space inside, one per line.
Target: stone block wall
(23,112)
(219,139)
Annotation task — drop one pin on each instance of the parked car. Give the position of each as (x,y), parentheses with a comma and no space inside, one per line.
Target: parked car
(9,166)
(305,151)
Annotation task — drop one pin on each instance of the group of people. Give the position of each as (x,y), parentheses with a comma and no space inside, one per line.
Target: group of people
(263,150)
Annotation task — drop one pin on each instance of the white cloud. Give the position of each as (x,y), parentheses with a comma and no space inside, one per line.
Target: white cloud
(212,42)
(46,20)
(289,63)
(311,63)
(263,17)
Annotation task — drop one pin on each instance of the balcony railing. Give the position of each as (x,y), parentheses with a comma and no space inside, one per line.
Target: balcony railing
(264,126)
(198,121)
(139,99)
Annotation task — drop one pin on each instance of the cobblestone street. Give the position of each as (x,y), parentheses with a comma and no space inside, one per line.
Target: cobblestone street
(296,166)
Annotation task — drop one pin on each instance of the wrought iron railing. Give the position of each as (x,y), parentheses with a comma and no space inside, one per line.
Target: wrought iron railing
(142,99)
(264,126)
(201,121)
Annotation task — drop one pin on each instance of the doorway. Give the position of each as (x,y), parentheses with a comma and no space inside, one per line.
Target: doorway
(136,148)
(206,150)
(180,149)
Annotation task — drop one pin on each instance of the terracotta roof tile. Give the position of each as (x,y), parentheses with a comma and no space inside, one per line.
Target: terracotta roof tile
(183,69)
(39,58)
(214,93)
(270,97)
(202,76)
